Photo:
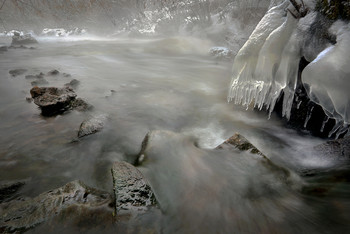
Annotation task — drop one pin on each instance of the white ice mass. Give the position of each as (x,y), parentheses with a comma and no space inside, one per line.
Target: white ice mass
(268,64)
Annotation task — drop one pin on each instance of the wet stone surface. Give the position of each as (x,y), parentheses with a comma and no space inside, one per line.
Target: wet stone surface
(73,202)
(336,148)
(8,190)
(92,125)
(54,100)
(132,191)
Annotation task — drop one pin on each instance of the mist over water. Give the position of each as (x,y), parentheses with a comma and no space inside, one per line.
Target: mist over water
(169,86)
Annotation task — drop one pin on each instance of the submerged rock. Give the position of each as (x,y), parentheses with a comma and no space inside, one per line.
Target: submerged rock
(40,81)
(73,83)
(8,190)
(132,192)
(74,202)
(17,72)
(92,125)
(221,53)
(80,105)
(239,142)
(17,39)
(53,72)
(3,48)
(21,47)
(54,100)
(335,148)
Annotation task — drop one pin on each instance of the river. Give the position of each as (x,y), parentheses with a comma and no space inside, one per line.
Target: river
(171,86)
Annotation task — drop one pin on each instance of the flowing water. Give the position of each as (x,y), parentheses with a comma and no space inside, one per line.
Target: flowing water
(173,87)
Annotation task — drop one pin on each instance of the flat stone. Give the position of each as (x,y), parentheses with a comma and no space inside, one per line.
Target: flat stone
(74,201)
(132,191)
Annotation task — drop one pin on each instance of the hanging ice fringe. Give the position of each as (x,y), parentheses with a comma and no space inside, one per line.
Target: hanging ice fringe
(268,64)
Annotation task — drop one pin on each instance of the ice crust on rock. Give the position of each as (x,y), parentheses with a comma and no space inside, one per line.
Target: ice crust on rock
(257,64)
(329,78)
(268,64)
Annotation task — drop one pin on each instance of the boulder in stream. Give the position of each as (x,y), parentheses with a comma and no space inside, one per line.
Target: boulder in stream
(132,192)
(17,39)
(239,142)
(73,83)
(74,202)
(53,72)
(92,125)
(335,148)
(54,100)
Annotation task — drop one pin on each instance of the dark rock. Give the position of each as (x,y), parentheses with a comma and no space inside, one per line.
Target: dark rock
(38,82)
(239,142)
(23,40)
(3,48)
(132,192)
(74,202)
(336,148)
(53,73)
(73,83)
(38,76)
(66,75)
(17,72)
(92,125)
(8,190)
(29,99)
(80,105)
(53,100)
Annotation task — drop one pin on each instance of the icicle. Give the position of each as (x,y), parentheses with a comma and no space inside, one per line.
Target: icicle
(348,133)
(328,76)
(325,121)
(338,124)
(308,116)
(298,105)
(342,130)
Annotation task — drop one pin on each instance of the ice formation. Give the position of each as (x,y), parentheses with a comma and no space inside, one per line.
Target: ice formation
(268,64)
(329,79)
(262,67)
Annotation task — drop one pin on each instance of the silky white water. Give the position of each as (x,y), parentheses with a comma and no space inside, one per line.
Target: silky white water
(173,85)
